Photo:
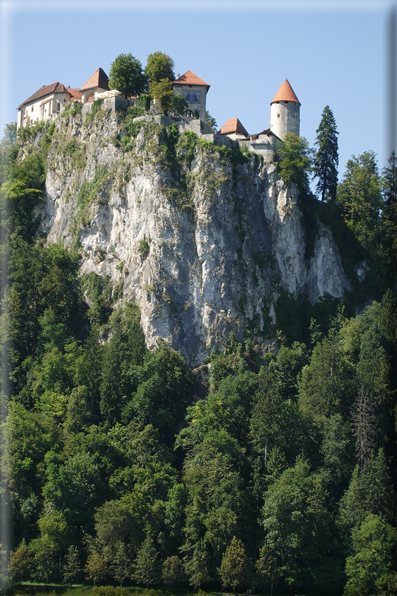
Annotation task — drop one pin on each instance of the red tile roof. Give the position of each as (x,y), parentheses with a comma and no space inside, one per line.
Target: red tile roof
(285,93)
(75,93)
(98,79)
(45,90)
(189,78)
(233,125)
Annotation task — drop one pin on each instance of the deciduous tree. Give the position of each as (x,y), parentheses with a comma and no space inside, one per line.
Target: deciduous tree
(359,195)
(369,567)
(295,161)
(159,66)
(20,563)
(173,573)
(126,75)
(265,567)
(95,568)
(299,528)
(163,92)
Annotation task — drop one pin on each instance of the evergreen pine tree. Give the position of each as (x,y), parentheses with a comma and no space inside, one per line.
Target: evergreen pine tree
(72,569)
(121,564)
(389,216)
(326,157)
(235,567)
(197,565)
(265,567)
(390,180)
(363,426)
(147,566)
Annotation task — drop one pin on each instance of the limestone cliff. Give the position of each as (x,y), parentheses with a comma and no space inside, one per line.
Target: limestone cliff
(198,236)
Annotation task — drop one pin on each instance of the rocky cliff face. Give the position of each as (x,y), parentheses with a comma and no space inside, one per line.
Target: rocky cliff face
(199,237)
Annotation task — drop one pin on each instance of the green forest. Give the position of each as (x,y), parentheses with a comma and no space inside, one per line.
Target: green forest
(278,476)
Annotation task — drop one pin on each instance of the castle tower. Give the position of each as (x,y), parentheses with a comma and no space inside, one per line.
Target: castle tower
(285,112)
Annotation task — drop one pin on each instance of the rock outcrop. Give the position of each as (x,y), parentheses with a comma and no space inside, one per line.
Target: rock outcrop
(200,237)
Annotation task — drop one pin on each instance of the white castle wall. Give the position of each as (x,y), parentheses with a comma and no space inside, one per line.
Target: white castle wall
(285,117)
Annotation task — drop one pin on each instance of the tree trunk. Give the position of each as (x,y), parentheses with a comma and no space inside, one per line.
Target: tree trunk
(266,456)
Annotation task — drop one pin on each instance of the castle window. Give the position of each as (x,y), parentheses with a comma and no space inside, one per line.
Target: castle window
(32,108)
(192,96)
(278,115)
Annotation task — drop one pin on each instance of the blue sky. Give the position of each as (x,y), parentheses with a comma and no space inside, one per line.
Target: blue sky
(333,53)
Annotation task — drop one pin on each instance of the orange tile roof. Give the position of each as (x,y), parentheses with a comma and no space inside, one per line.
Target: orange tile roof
(98,79)
(75,93)
(233,125)
(189,78)
(285,93)
(45,90)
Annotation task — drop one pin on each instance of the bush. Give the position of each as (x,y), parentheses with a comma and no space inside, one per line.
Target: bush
(143,247)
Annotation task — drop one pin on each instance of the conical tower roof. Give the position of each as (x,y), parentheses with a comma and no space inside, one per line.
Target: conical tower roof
(285,93)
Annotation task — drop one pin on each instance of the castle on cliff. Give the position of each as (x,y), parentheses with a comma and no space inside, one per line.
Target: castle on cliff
(48,101)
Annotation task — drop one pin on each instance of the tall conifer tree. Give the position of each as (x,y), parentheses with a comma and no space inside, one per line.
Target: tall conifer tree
(327,157)
(389,216)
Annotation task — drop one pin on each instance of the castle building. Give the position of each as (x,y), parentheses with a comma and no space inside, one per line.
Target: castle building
(194,90)
(45,102)
(284,117)
(49,100)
